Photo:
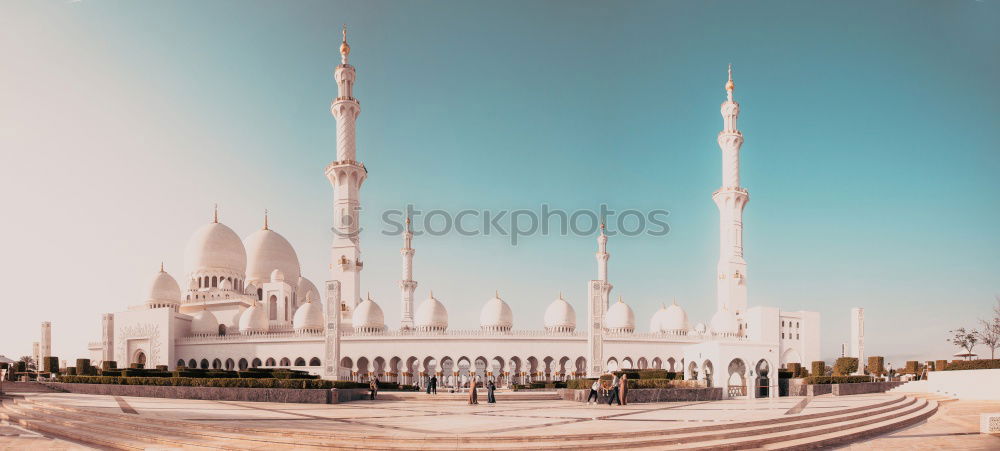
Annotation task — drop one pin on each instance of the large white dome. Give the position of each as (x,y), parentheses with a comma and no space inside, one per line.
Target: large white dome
(163,289)
(267,250)
(657,319)
(253,320)
(674,319)
(308,317)
(215,248)
(368,317)
(204,323)
(620,318)
(560,316)
(431,315)
(725,322)
(496,315)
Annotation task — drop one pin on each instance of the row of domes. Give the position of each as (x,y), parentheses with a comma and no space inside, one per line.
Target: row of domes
(216,248)
(308,318)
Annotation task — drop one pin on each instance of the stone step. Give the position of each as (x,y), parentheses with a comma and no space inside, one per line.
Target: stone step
(494,441)
(108,434)
(853,434)
(137,429)
(806,433)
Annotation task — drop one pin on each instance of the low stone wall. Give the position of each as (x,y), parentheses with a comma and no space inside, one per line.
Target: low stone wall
(797,388)
(643,395)
(291,395)
(863,387)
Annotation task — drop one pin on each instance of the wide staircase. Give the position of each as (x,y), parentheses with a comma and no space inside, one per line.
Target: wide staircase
(123,431)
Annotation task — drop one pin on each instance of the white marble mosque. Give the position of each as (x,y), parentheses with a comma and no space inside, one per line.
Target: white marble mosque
(244,303)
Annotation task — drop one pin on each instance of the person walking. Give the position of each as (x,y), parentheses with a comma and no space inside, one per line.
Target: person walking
(473,395)
(614,392)
(490,389)
(373,388)
(434,385)
(593,391)
(623,389)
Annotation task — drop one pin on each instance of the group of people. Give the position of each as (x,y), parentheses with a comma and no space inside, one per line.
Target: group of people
(491,388)
(616,390)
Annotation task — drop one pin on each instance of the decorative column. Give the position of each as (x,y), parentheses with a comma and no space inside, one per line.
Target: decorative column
(407,284)
(331,367)
(858,338)
(108,337)
(346,174)
(598,293)
(731,199)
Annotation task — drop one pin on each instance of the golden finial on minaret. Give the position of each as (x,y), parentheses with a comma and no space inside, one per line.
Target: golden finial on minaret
(161,267)
(496,294)
(730,86)
(265,220)
(344,48)
(215,218)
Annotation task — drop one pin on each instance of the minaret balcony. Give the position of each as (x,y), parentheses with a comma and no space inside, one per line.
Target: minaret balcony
(732,189)
(342,163)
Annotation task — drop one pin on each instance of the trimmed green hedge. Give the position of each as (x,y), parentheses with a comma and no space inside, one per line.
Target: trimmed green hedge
(213,382)
(985,364)
(876,365)
(818,368)
(51,364)
(109,365)
(940,365)
(580,384)
(822,380)
(845,366)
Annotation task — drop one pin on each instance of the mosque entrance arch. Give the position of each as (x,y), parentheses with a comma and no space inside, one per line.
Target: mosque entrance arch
(140,358)
(709,371)
(737,382)
(763,382)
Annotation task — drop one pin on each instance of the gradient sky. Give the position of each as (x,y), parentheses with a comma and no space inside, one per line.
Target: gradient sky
(871,151)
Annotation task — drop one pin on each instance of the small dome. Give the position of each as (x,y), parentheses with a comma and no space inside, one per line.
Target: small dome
(225,285)
(700,328)
(496,315)
(215,247)
(620,318)
(204,323)
(674,319)
(724,322)
(253,320)
(308,317)
(431,315)
(303,288)
(277,276)
(368,317)
(560,316)
(268,251)
(164,289)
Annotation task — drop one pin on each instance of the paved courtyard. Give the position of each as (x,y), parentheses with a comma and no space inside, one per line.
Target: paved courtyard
(952,427)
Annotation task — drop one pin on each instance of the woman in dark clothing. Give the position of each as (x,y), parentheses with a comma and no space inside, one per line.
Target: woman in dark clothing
(490,388)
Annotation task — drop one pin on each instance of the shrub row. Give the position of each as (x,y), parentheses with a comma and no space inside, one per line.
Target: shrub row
(214,382)
(821,380)
(876,365)
(985,364)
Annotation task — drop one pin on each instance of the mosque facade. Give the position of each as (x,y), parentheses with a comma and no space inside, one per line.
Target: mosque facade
(244,303)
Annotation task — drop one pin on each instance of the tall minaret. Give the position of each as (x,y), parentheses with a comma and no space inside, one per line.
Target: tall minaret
(346,174)
(598,293)
(407,284)
(602,256)
(731,199)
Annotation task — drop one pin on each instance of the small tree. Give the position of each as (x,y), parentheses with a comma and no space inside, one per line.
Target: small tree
(29,362)
(818,367)
(966,340)
(989,335)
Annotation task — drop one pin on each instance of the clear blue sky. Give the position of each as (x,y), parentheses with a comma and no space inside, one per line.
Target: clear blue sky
(871,150)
